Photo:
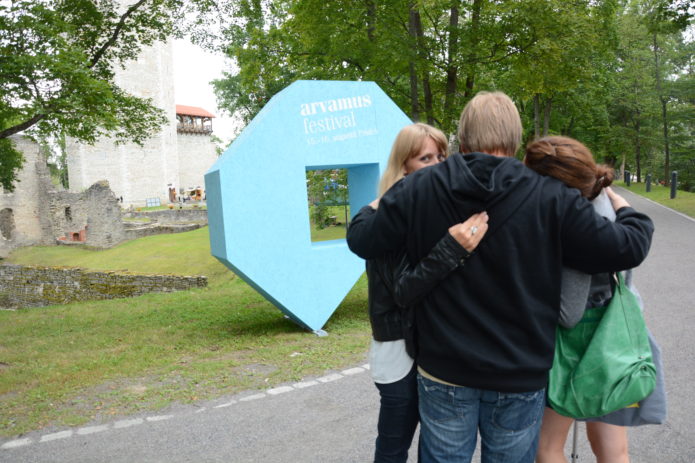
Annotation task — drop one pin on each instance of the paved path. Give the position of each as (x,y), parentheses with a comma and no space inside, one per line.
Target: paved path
(332,419)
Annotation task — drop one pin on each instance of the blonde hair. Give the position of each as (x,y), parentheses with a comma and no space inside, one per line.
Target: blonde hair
(408,143)
(490,122)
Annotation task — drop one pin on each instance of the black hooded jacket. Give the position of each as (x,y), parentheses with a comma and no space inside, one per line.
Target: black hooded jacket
(491,323)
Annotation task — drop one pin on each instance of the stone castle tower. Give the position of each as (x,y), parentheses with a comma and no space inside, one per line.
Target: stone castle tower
(174,159)
(134,172)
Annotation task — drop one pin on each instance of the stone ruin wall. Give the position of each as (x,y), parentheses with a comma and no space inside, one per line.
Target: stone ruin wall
(39,213)
(24,286)
(172,216)
(93,216)
(24,213)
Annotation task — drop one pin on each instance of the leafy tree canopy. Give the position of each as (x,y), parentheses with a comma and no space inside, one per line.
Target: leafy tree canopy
(617,74)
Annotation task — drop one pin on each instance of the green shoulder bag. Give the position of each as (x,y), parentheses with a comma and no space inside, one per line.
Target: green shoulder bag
(604,363)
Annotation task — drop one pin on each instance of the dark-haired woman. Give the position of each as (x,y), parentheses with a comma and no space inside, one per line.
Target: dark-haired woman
(571,162)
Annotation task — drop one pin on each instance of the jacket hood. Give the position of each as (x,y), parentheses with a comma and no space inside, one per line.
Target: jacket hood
(488,179)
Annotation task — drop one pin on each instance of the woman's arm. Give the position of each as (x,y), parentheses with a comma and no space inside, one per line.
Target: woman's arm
(573,296)
(576,285)
(592,244)
(451,252)
(373,233)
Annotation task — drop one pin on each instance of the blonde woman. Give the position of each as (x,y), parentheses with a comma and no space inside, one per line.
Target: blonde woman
(391,357)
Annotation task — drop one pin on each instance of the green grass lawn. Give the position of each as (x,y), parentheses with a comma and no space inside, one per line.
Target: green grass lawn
(683,202)
(333,232)
(95,360)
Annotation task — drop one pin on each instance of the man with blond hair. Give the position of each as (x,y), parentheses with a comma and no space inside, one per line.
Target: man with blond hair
(486,333)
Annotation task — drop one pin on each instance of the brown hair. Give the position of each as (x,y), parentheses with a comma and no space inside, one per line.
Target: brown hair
(570,162)
(490,122)
(408,143)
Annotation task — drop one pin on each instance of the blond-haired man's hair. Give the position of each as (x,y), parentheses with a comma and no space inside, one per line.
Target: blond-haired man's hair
(490,123)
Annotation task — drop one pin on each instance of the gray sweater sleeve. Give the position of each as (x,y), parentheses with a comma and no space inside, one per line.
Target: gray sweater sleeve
(575,292)
(576,284)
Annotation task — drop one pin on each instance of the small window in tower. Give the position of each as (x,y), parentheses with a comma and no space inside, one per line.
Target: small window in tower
(68,214)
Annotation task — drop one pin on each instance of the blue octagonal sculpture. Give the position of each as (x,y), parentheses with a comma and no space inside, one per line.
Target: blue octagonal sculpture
(257,191)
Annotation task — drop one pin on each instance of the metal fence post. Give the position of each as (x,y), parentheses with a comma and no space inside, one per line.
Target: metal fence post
(648,179)
(674,183)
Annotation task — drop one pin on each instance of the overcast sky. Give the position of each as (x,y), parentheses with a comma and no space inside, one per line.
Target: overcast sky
(194,68)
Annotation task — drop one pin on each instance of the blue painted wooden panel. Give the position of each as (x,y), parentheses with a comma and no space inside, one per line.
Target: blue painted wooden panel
(257,196)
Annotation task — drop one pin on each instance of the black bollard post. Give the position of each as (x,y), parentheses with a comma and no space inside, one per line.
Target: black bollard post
(648,179)
(627,178)
(674,183)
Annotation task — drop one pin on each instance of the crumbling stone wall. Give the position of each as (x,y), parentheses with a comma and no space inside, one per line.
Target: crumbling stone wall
(175,215)
(92,217)
(24,286)
(24,212)
(39,213)
(133,233)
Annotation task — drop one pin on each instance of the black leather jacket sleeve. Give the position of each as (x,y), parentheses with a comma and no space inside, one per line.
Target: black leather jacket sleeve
(371,235)
(412,283)
(395,288)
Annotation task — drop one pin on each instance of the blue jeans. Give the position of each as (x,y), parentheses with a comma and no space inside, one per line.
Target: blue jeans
(398,418)
(451,416)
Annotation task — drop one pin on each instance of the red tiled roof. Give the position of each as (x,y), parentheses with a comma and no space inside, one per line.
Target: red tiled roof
(192,111)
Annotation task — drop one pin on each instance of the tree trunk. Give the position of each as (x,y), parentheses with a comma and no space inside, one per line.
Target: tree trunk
(472,45)
(568,130)
(664,112)
(667,154)
(536,116)
(638,150)
(427,90)
(371,19)
(546,116)
(422,58)
(414,104)
(452,68)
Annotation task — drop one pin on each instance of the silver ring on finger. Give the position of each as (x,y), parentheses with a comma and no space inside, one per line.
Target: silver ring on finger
(474,229)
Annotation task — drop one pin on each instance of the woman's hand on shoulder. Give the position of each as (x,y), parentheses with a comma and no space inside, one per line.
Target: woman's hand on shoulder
(469,233)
